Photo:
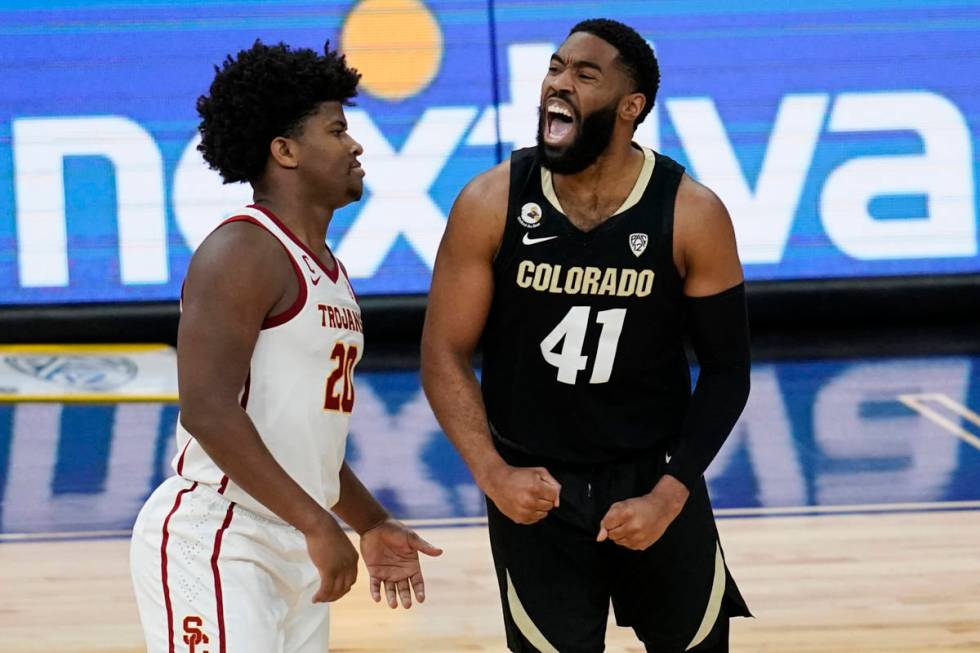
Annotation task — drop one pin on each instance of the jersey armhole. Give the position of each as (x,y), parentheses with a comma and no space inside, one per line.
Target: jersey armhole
(521,169)
(672,173)
(301,293)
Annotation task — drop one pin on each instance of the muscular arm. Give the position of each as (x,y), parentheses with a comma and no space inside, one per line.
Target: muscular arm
(718,326)
(707,259)
(237,277)
(459,302)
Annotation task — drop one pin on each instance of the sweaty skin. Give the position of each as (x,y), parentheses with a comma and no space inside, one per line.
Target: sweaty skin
(583,77)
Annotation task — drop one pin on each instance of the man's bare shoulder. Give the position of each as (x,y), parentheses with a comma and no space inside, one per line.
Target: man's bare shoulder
(697,202)
(240,257)
(486,194)
(240,242)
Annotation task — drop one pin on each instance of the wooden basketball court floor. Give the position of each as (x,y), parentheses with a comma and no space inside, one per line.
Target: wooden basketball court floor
(848,500)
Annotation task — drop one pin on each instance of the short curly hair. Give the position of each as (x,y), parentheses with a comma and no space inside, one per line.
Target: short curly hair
(635,55)
(265,92)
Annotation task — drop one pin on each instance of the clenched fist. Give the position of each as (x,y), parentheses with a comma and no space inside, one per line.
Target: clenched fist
(524,494)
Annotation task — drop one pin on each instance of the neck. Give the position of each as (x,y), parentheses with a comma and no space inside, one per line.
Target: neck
(616,169)
(307,219)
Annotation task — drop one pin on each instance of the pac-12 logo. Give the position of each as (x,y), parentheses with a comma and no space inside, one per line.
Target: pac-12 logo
(193,635)
(638,243)
(530,215)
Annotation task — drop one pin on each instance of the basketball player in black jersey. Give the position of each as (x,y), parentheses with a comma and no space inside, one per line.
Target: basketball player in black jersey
(582,264)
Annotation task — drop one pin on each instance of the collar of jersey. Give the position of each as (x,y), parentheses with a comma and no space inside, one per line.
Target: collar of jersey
(646,172)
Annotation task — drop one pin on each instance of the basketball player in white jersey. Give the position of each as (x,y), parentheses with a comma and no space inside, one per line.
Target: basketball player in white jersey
(239,552)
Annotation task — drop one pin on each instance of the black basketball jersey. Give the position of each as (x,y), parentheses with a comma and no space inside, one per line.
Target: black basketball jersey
(583,358)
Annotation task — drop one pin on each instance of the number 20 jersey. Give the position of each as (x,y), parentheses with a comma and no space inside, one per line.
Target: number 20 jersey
(299,392)
(583,357)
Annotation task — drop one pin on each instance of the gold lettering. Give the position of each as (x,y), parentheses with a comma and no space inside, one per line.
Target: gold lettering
(542,275)
(590,283)
(524,271)
(644,285)
(555,280)
(573,281)
(627,283)
(608,286)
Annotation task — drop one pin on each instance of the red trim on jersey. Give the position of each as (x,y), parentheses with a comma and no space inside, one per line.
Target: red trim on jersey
(248,386)
(163,564)
(180,461)
(332,274)
(350,286)
(217,578)
(224,484)
(297,305)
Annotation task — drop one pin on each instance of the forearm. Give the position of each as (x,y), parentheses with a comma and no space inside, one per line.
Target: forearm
(230,439)
(719,333)
(357,506)
(454,394)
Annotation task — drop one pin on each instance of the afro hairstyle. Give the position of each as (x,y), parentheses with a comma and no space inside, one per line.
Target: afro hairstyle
(635,56)
(265,92)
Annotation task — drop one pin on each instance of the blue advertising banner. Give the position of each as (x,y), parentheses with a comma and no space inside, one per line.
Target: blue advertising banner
(841,136)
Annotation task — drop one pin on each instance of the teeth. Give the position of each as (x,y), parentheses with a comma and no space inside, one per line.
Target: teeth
(559,109)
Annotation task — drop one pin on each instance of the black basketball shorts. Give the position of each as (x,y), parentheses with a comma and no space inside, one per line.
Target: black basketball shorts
(556,581)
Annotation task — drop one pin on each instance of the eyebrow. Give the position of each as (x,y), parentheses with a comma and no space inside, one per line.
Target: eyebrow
(578,64)
(338,122)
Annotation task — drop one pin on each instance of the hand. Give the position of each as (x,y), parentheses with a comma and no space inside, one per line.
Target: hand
(391,553)
(334,557)
(639,522)
(524,494)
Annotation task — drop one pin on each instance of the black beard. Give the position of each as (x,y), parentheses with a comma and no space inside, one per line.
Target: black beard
(591,141)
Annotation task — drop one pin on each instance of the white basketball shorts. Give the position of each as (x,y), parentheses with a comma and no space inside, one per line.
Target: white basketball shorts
(213,577)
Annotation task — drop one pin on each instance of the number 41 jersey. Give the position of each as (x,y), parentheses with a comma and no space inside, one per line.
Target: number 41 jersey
(583,354)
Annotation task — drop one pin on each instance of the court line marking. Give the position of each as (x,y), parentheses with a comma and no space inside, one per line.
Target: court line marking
(786,511)
(82,349)
(86,399)
(915,402)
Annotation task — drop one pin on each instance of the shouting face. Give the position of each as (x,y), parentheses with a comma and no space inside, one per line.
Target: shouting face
(580,103)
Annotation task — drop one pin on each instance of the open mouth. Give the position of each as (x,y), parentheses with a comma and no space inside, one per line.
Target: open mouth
(559,123)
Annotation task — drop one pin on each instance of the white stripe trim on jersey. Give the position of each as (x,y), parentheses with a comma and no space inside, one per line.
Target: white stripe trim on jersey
(714,600)
(636,193)
(524,622)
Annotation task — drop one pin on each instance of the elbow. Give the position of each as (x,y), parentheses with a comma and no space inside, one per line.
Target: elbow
(201,418)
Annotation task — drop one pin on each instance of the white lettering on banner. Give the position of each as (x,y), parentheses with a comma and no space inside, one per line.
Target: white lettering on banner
(527,64)
(910,462)
(399,203)
(764,430)
(200,199)
(763,217)
(943,172)
(40,146)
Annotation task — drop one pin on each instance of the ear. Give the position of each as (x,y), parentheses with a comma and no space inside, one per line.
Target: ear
(631,106)
(283,151)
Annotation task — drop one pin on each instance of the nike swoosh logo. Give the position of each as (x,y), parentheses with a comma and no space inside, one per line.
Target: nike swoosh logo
(534,241)
(667,457)
(312,271)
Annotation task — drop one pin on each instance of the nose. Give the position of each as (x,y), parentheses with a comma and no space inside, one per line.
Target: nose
(559,83)
(356,148)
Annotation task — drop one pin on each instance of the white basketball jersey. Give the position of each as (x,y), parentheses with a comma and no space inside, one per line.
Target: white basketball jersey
(300,389)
